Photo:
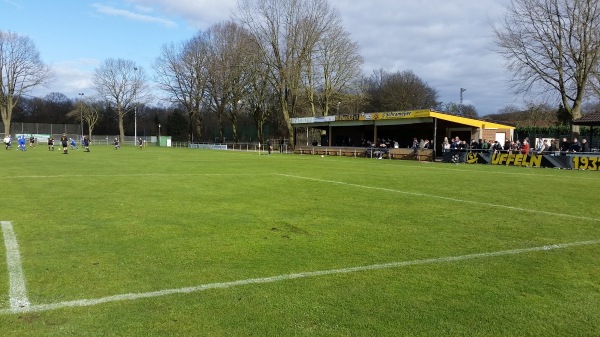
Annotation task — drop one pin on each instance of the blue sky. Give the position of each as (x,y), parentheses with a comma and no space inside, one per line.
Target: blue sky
(446,43)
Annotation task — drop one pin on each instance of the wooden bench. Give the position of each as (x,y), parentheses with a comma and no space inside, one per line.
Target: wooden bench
(401,153)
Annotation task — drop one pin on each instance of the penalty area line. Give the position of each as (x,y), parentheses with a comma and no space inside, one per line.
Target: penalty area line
(16,278)
(285,277)
(418,194)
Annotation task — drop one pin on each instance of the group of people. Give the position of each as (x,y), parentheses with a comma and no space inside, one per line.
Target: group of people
(379,148)
(541,146)
(574,146)
(21,142)
(65,142)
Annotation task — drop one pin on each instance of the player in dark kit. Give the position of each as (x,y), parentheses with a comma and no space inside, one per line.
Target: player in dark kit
(64,140)
(50,144)
(86,143)
(32,141)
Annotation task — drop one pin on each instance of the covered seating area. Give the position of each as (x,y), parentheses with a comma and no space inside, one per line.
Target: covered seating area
(363,134)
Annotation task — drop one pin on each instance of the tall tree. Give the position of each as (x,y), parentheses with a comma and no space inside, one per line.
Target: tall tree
(21,70)
(287,32)
(182,72)
(233,55)
(121,83)
(331,67)
(553,46)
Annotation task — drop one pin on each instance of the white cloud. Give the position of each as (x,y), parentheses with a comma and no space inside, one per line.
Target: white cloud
(70,78)
(108,10)
(200,14)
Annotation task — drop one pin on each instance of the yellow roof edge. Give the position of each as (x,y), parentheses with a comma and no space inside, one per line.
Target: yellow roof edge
(470,121)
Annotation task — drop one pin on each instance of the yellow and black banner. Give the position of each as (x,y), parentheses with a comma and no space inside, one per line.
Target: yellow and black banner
(564,161)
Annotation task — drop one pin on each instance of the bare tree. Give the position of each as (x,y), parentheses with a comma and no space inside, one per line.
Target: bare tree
(465,110)
(233,55)
(122,84)
(337,63)
(553,46)
(287,32)
(88,111)
(182,72)
(22,69)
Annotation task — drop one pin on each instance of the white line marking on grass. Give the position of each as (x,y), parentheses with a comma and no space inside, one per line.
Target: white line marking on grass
(285,277)
(17,289)
(442,198)
(133,175)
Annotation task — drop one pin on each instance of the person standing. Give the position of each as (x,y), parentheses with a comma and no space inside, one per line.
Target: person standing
(21,141)
(525,148)
(281,143)
(564,146)
(86,143)
(7,141)
(269,147)
(116,143)
(575,147)
(445,145)
(32,141)
(141,143)
(585,147)
(64,141)
(50,143)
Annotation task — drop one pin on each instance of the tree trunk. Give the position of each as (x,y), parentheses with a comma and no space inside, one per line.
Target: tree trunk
(6,112)
(121,129)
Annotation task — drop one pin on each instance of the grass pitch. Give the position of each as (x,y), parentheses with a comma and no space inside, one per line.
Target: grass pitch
(165,242)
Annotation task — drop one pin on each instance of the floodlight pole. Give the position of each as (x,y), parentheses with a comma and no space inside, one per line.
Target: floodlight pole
(81,112)
(134,112)
(461,95)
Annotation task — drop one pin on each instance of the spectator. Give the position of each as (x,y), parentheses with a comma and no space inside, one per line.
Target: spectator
(525,147)
(564,146)
(445,145)
(575,146)
(507,145)
(543,148)
(427,145)
(553,147)
(496,148)
(415,147)
(585,147)
(485,146)
(269,147)
(538,144)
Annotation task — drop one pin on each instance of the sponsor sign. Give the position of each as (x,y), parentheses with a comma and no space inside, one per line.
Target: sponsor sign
(576,162)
